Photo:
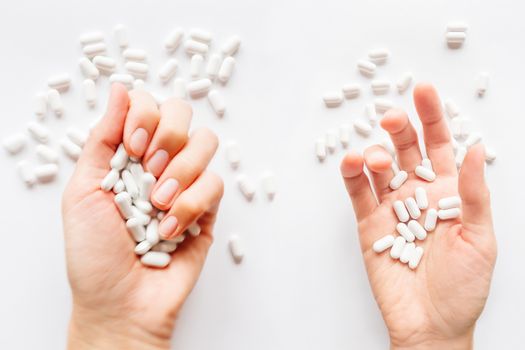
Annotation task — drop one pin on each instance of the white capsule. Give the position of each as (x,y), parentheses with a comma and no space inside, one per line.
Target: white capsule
(451,108)
(233,154)
(119,187)
(70,149)
(472,139)
(217,102)
(144,206)
(120,158)
(331,140)
(199,88)
(104,63)
(136,170)
(404,231)
(193,47)
(131,185)
(95,49)
(39,132)
(447,214)
(194,229)
(395,167)
(137,69)
(421,198)
(155,259)
(196,66)
(46,154)
(427,163)
(415,258)
(145,219)
(60,82)
(397,247)
(120,32)
(380,87)
(46,173)
(55,102)
(147,183)
(383,105)
(366,68)
(379,56)
(236,248)
(179,88)
(110,180)
(88,69)
(333,98)
(26,173)
(125,79)
(490,155)
(200,35)
(362,128)
(404,82)
(383,244)
(320,149)
(226,69)
(14,143)
(269,184)
(418,230)
(425,173)
(449,202)
(173,40)
(407,252)
(134,55)
(180,238)
(344,135)
(431,220)
(143,247)
(460,155)
(214,64)
(152,232)
(168,70)
(136,229)
(138,84)
(482,83)
(40,105)
(412,208)
(351,91)
(457,27)
(246,187)
(90,92)
(401,211)
(165,247)
(455,39)
(398,180)
(161,215)
(91,37)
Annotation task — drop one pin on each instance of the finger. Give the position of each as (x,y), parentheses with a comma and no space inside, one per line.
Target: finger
(404,138)
(184,168)
(203,194)
(378,162)
(435,129)
(170,136)
(474,193)
(141,122)
(357,185)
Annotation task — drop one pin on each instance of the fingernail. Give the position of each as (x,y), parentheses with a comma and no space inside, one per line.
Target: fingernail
(168,226)
(138,141)
(164,194)
(157,162)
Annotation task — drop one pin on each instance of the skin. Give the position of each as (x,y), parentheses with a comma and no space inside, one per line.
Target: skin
(117,302)
(435,306)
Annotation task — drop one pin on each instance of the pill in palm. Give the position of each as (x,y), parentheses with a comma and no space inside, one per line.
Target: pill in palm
(397,247)
(448,214)
(449,202)
(421,198)
(155,259)
(412,207)
(415,258)
(431,220)
(404,231)
(425,173)
(418,230)
(398,180)
(383,243)
(401,211)
(408,252)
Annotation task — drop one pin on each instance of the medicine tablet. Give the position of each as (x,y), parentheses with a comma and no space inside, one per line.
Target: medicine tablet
(121,35)
(416,258)
(333,98)
(412,208)
(125,79)
(39,132)
(383,244)
(55,102)
(362,128)
(214,64)
(397,247)
(26,173)
(194,229)
(196,65)
(379,56)
(246,187)
(404,82)
(90,92)
(490,155)
(137,69)
(417,229)
(91,37)
(233,154)
(119,187)
(46,173)
(401,211)
(152,232)
(105,64)
(40,105)
(431,220)
(380,87)
(96,49)
(404,231)
(383,105)
(143,247)
(421,198)
(320,149)
(199,88)
(407,252)
(110,180)
(455,39)
(14,143)
(451,108)
(131,186)
(269,184)
(366,68)
(155,259)
(200,35)
(425,173)
(165,246)
(168,70)
(226,69)
(134,55)
(46,154)
(351,91)
(59,82)
(143,218)
(193,47)
(173,40)
(449,202)
(179,88)
(217,102)
(236,248)
(344,135)
(136,170)
(482,83)
(331,140)
(231,46)
(72,150)
(427,163)
(136,229)
(120,158)
(88,69)
(398,180)
(457,27)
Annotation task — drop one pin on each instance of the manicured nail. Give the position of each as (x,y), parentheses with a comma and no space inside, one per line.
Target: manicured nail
(168,226)
(165,193)
(158,162)
(138,141)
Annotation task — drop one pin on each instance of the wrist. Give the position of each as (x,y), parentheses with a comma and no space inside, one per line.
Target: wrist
(458,342)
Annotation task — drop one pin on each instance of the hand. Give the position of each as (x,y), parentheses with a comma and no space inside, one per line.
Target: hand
(436,305)
(117,302)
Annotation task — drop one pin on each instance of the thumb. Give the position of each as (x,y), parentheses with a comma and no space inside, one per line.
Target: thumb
(475,195)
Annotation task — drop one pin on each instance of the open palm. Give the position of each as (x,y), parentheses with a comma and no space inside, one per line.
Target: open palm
(440,301)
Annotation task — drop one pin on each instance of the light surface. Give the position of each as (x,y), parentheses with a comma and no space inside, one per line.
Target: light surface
(302,284)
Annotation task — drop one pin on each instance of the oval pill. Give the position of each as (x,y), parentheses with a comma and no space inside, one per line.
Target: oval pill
(344,135)
(425,173)
(383,244)
(120,158)
(136,229)
(40,105)
(123,202)
(152,232)
(196,65)
(236,248)
(404,82)
(200,35)
(91,37)
(398,180)
(404,231)
(320,149)
(198,88)
(59,82)
(383,105)
(417,229)
(55,102)
(131,185)
(421,198)
(168,70)
(366,68)
(26,173)
(333,98)
(351,90)
(39,132)
(412,208)
(363,128)
(246,187)
(408,251)
(137,69)
(431,220)
(217,102)
(104,63)
(120,32)
(415,258)
(226,70)
(269,184)
(46,173)
(125,79)
(155,259)
(397,247)
(110,180)
(143,247)
(173,40)
(95,49)
(379,56)
(14,143)
(449,202)
(134,54)
(71,149)
(233,154)
(401,211)
(231,46)
(448,214)
(214,64)
(193,47)
(46,154)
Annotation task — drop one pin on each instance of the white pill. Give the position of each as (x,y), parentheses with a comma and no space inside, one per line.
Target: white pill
(460,155)
(427,163)
(404,82)
(193,47)
(179,88)
(425,173)
(143,247)
(447,214)
(125,79)
(91,37)
(226,70)
(120,158)
(120,32)
(88,69)
(60,82)
(416,258)
(110,180)
(173,40)
(236,248)
(26,173)
(39,132)
(46,154)
(95,49)
(380,87)
(46,172)
(398,180)
(395,167)
(407,252)
(119,186)
(165,247)
(333,98)
(482,83)
(246,187)
(136,229)
(455,39)
(144,206)
(152,232)
(194,229)
(155,259)
(168,70)
(472,139)
(344,135)
(40,105)
(404,231)
(134,55)
(401,211)
(14,143)
(269,184)
(397,247)
(351,90)
(363,128)
(217,102)
(421,198)
(199,88)
(104,63)
(490,154)
(231,46)
(412,208)
(161,215)
(147,183)
(320,149)
(214,64)
(233,154)
(366,68)
(457,27)
(145,219)
(136,170)
(451,108)
(379,56)
(431,220)
(131,186)
(196,66)
(418,230)
(179,239)
(139,84)
(90,92)
(383,105)
(383,244)
(449,202)
(200,35)
(137,69)
(55,102)
(331,140)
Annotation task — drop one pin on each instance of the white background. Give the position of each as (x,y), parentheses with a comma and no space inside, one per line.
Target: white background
(302,284)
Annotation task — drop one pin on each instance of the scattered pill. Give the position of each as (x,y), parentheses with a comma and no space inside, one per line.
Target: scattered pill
(246,187)
(448,214)
(90,92)
(379,56)
(404,82)
(199,88)
(351,91)
(217,102)
(46,154)
(168,70)
(236,248)
(418,230)
(233,154)
(455,39)
(366,68)
(14,143)
(490,154)
(412,208)
(105,64)
(380,87)
(482,83)
(344,135)
(320,149)
(214,64)
(155,259)
(46,172)
(421,198)
(331,140)
(431,220)
(226,69)
(457,27)
(383,244)
(125,79)
(425,173)
(193,47)
(371,114)
(39,132)
(451,108)
(401,211)
(196,65)
(333,98)
(383,105)
(121,35)
(362,128)
(59,82)
(137,69)
(269,184)
(449,202)
(404,231)
(134,55)
(398,180)
(143,247)
(408,251)
(40,105)
(120,158)
(173,40)
(200,35)
(231,46)
(55,102)
(397,247)
(91,37)
(26,173)
(70,149)
(415,258)
(95,49)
